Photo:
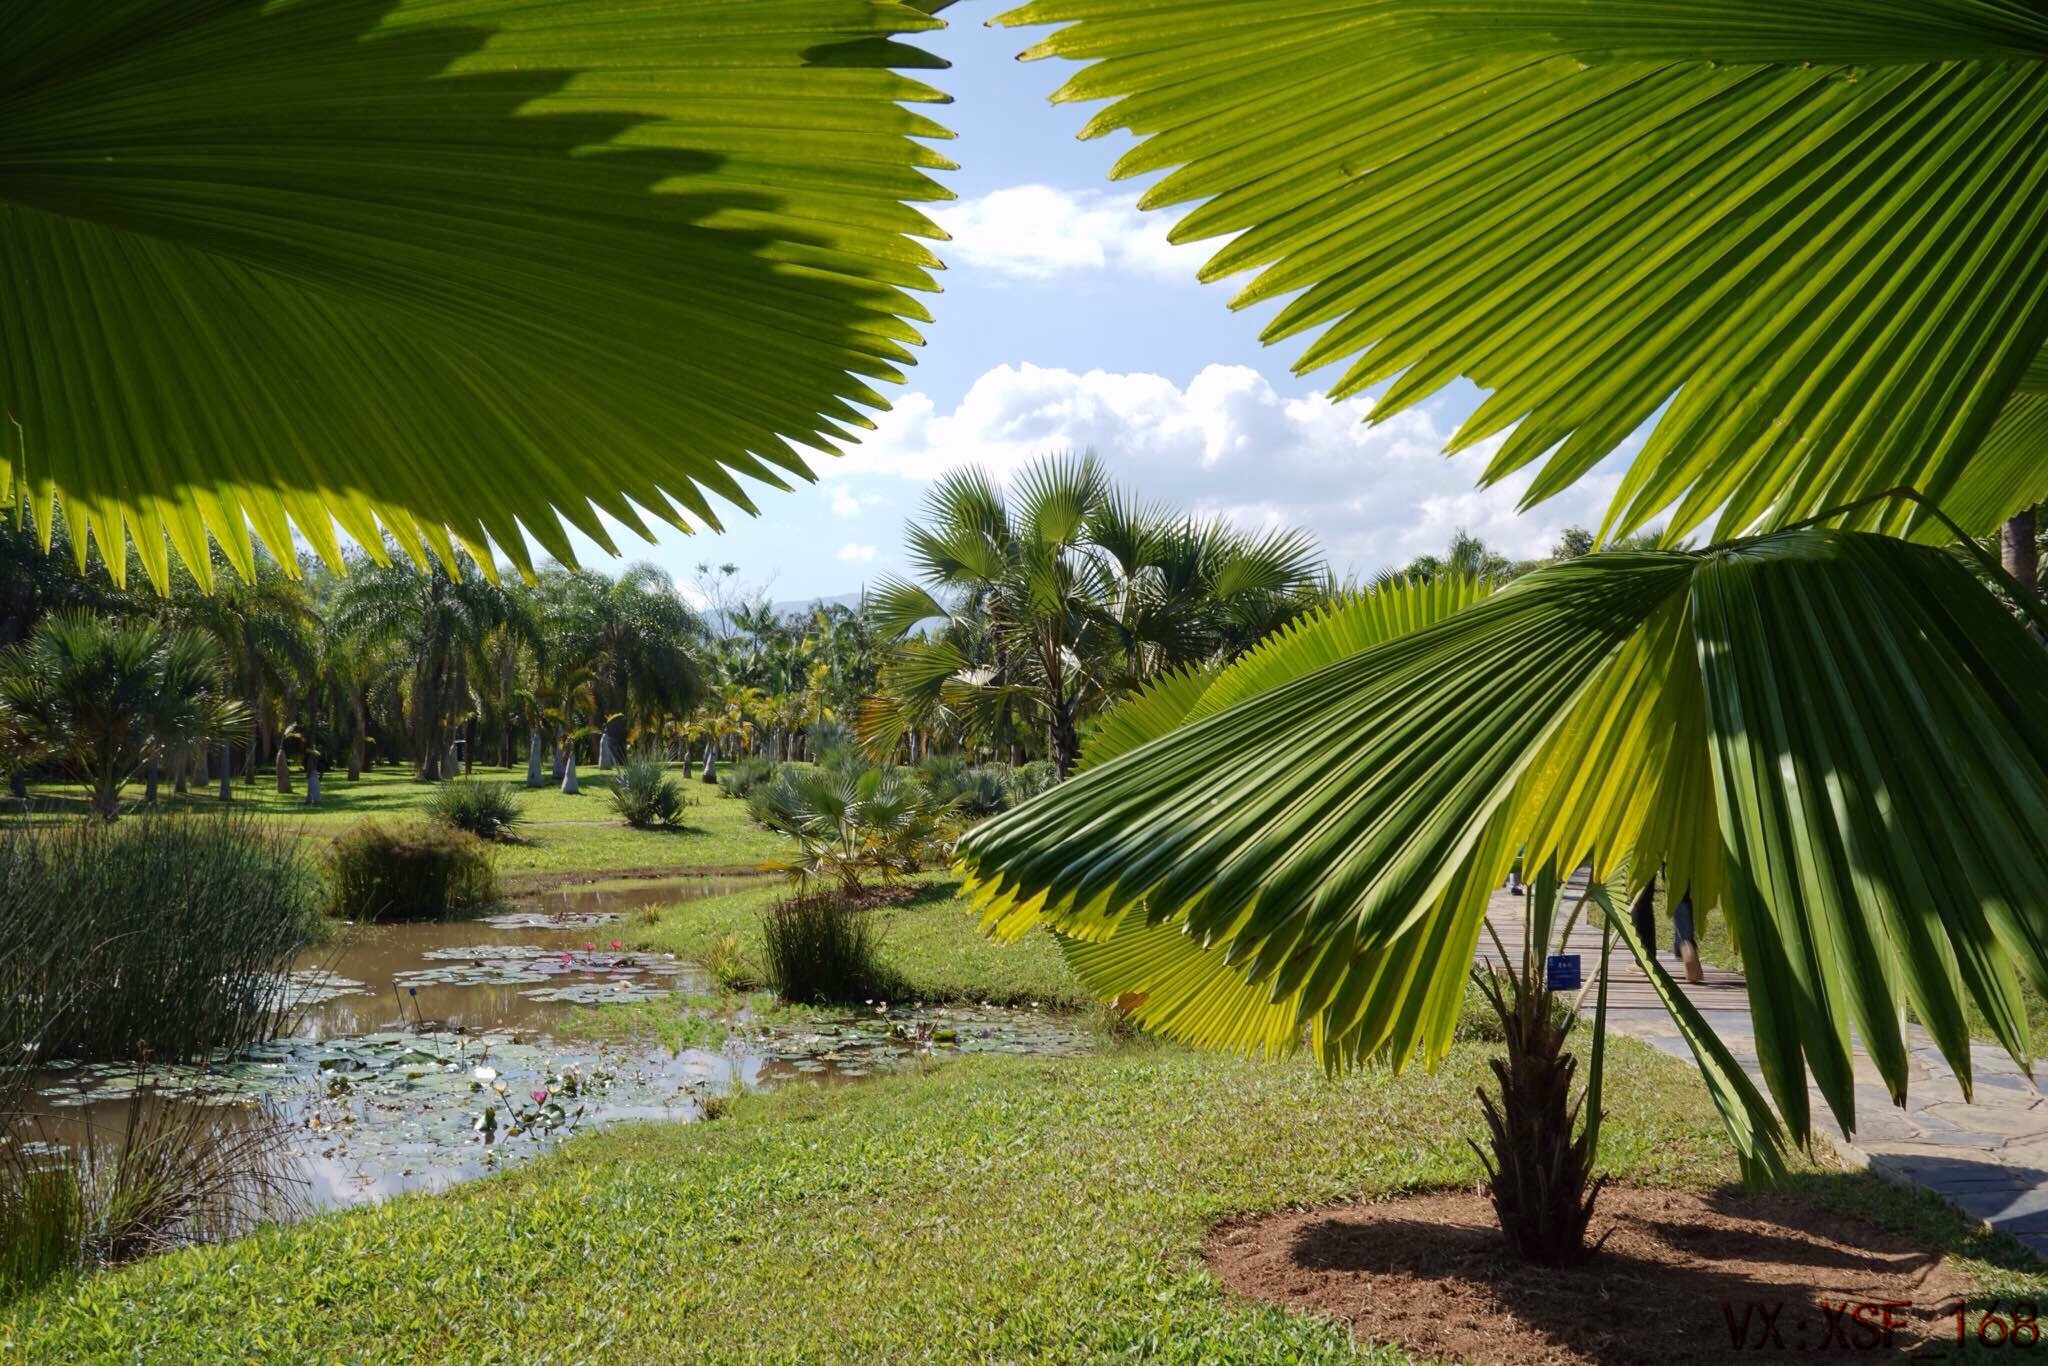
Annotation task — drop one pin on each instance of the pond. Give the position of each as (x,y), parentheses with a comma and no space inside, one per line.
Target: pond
(422,1055)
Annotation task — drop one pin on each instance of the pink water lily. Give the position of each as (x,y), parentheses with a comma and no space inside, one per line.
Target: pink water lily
(540,1097)
(615,943)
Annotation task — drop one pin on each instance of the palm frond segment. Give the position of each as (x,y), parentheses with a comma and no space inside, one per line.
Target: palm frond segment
(465,270)
(1834,738)
(1808,237)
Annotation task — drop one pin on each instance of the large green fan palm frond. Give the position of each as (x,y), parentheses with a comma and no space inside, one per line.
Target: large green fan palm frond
(1837,738)
(460,269)
(1808,237)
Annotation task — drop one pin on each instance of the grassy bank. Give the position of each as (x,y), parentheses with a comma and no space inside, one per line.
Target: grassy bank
(992,1209)
(560,834)
(932,947)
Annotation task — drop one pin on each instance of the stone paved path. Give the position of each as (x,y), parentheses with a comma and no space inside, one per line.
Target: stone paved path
(1989,1158)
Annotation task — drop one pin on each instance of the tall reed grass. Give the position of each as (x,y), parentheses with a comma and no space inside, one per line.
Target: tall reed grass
(166,936)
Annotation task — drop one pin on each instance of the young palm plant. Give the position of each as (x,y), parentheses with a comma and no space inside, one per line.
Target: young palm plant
(110,696)
(1369,776)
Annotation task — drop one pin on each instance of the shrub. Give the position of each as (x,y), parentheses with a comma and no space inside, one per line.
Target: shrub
(165,933)
(423,871)
(818,947)
(1028,780)
(742,776)
(646,794)
(973,792)
(725,958)
(849,827)
(487,810)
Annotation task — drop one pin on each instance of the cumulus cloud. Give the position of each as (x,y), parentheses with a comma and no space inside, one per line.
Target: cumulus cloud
(1034,232)
(844,504)
(850,551)
(1228,443)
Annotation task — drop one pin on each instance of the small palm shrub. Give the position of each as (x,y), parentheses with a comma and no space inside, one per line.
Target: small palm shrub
(1029,780)
(850,827)
(164,933)
(422,871)
(742,776)
(974,793)
(646,794)
(819,947)
(487,810)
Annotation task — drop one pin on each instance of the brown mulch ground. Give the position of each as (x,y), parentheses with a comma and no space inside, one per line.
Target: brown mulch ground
(1682,1278)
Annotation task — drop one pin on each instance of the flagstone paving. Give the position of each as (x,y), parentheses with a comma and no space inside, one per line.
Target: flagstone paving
(1988,1156)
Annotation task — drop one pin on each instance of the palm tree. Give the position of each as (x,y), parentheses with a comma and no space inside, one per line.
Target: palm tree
(111,696)
(266,632)
(1804,239)
(1042,603)
(440,620)
(1471,558)
(456,274)
(633,635)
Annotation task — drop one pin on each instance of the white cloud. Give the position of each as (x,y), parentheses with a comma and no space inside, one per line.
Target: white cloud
(850,551)
(1034,232)
(1228,443)
(844,504)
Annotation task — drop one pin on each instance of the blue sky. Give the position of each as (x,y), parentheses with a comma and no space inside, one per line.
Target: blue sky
(1069,322)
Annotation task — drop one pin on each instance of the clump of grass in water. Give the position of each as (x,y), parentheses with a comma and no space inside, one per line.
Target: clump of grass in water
(488,810)
(425,871)
(818,946)
(169,1175)
(164,933)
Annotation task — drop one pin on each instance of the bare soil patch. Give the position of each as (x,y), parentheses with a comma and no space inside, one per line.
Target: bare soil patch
(1683,1278)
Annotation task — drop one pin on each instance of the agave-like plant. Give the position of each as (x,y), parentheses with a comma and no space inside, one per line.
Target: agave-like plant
(462,270)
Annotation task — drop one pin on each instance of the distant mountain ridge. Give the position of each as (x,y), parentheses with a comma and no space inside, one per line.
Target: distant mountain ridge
(801,607)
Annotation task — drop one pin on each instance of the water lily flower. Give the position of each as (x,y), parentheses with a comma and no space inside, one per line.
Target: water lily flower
(540,1097)
(615,943)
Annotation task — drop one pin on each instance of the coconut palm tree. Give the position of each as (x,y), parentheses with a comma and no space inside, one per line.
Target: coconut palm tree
(440,621)
(1039,604)
(459,272)
(634,636)
(1803,243)
(110,696)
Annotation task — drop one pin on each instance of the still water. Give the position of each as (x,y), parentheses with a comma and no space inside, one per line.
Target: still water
(420,1055)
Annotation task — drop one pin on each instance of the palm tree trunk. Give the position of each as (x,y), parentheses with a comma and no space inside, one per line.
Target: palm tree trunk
(2019,549)
(533,778)
(284,769)
(227,772)
(1061,740)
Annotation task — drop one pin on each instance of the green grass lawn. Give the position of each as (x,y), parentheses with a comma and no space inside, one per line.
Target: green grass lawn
(561,834)
(932,946)
(990,1209)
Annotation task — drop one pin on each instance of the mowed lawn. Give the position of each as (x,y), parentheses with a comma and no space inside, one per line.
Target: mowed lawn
(988,1209)
(930,948)
(561,834)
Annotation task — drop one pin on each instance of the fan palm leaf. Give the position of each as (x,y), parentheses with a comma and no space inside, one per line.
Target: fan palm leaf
(1808,238)
(1835,737)
(462,270)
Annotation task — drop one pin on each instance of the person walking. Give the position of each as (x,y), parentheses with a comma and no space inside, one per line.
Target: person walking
(1683,946)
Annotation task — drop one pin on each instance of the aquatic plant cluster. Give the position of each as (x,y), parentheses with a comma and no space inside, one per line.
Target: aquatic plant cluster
(164,935)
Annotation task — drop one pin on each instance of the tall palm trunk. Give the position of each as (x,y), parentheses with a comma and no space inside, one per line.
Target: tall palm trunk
(2019,548)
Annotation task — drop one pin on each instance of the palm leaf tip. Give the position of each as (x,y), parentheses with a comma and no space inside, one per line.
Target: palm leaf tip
(456,271)
(1801,241)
